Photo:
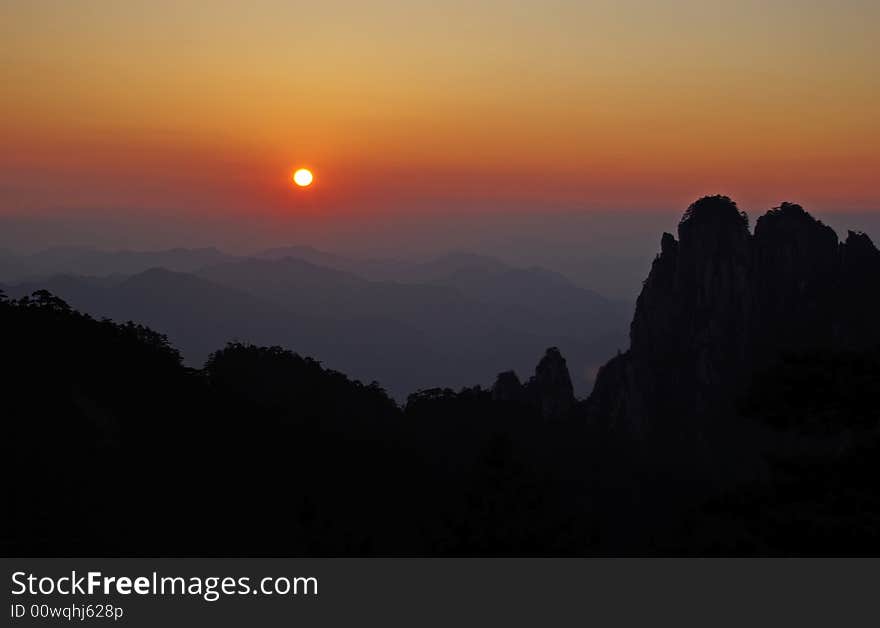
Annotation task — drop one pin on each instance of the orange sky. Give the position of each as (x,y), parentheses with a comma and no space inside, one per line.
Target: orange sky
(206,107)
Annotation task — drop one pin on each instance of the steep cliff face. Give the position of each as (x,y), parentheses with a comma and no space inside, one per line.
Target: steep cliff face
(719,303)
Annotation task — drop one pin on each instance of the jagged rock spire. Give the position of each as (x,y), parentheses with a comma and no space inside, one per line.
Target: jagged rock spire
(551,386)
(549,389)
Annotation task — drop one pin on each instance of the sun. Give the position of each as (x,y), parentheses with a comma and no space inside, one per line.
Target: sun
(303,177)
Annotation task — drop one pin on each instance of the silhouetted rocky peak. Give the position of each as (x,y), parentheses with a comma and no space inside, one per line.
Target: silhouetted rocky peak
(720,303)
(789,236)
(549,389)
(691,322)
(859,247)
(714,239)
(668,244)
(507,387)
(551,386)
(796,264)
(791,226)
(713,248)
(712,217)
(858,291)
(859,262)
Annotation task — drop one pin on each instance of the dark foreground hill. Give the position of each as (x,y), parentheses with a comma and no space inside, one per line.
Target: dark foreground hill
(112,446)
(758,428)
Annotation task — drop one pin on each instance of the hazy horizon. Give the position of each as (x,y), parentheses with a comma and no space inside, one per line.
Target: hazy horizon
(609,252)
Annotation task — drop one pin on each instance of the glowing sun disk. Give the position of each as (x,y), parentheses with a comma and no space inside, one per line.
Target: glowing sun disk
(303,177)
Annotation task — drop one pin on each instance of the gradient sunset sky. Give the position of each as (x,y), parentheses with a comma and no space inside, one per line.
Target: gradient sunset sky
(205,108)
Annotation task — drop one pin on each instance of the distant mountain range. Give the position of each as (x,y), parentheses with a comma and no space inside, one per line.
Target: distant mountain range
(451,321)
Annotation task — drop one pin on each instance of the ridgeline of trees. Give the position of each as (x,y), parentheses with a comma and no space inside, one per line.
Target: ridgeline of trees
(112,446)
